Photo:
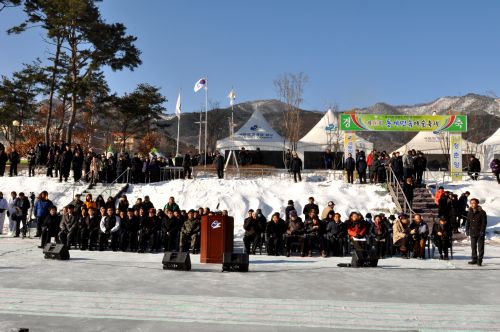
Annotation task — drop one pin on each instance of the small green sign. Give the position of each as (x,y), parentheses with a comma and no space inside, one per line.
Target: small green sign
(381,122)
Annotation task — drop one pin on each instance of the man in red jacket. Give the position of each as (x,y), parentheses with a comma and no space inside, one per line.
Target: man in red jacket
(356,229)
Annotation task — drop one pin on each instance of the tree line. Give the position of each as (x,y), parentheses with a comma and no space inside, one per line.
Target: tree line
(64,96)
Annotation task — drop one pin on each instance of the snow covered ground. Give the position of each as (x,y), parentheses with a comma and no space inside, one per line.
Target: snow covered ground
(488,194)
(115,291)
(269,194)
(59,193)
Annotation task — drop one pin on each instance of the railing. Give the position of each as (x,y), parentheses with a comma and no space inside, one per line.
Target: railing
(396,191)
(171,173)
(261,173)
(125,175)
(440,177)
(75,184)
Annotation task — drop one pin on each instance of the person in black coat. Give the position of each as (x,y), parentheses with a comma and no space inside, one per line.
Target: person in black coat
(250,225)
(334,235)
(187,165)
(378,234)
(65,166)
(90,233)
(14,159)
(50,226)
(136,168)
(349,166)
(311,206)
(77,165)
(296,166)
(441,236)
(290,207)
(170,227)
(420,164)
(219,164)
(3,160)
(361,168)
(474,168)
(31,157)
(275,229)
(408,189)
(313,236)
(463,206)
(476,229)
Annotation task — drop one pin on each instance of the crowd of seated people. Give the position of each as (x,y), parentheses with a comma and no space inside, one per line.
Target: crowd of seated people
(139,227)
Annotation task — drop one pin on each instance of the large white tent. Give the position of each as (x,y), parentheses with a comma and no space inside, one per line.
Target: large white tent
(255,133)
(326,135)
(430,143)
(489,149)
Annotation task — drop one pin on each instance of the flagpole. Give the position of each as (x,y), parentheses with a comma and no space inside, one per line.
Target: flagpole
(199,134)
(206,120)
(178,129)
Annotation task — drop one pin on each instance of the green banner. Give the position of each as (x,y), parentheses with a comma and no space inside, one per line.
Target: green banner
(381,122)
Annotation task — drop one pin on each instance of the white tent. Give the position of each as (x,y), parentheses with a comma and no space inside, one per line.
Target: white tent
(489,149)
(430,143)
(326,135)
(255,133)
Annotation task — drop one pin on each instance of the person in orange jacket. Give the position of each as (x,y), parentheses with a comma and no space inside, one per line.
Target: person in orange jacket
(439,194)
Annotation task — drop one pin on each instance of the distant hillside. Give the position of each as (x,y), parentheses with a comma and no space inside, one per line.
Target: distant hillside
(483,118)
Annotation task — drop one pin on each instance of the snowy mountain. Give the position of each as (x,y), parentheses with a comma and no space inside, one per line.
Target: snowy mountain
(483,117)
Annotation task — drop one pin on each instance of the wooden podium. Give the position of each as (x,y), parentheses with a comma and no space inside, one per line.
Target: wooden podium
(216,238)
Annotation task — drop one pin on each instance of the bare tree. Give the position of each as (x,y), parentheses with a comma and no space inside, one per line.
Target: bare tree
(290,89)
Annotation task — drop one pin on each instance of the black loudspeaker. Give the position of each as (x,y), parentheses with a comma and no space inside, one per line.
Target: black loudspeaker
(56,251)
(235,262)
(176,261)
(364,258)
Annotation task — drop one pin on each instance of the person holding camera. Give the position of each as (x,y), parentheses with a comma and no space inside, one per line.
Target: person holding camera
(476,229)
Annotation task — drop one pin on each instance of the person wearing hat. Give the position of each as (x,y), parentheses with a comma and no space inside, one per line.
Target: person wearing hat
(190,233)
(275,230)
(294,233)
(311,206)
(77,204)
(327,209)
(290,207)
(441,236)
(50,226)
(250,226)
(401,235)
(68,226)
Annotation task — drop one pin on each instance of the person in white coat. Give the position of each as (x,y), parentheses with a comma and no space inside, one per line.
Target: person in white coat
(12,213)
(4,207)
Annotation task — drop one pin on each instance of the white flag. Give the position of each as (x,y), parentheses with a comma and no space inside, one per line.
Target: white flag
(200,84)
(232,97)
(178,107)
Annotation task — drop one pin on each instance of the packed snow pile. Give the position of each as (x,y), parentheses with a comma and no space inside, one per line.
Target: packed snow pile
(269,194)
(488,194)
(59,193)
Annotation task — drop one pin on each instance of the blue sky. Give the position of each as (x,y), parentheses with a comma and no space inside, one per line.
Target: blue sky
(356,53)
